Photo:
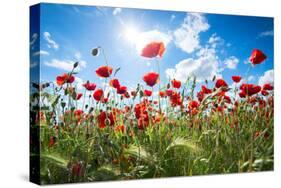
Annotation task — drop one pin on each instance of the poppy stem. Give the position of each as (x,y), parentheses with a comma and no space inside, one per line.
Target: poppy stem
(158,64)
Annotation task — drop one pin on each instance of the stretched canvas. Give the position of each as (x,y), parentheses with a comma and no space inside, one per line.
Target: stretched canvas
(126,94)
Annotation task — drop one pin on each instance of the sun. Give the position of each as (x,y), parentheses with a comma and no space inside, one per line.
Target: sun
(131,34)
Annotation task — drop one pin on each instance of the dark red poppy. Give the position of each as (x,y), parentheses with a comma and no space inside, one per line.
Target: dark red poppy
(236,79)
(122,90)
(257,57)
(105,118)
(133,93)
(52,141)
(151,78)
(104,71)
(250,89)
(65,78)
(76,169)
(242,94)
(206,90)
(267,87)
(147,93)
(153,49)
(227,99)
(90,86)
(221,83)
(78,96)
(114,83)
(200,95)
(176,83)
(264,92)
(98,94)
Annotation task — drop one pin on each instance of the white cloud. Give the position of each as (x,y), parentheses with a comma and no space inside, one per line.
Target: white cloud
(77,55)
(204,67)
(154,35)
(231,62)
(187,36)
(33,64)
(268,77)
(172,18)
(41,52)
(66,65)
(116,11)
(251,78)
(266,34)
(34,37)
(215,40)
(51,42)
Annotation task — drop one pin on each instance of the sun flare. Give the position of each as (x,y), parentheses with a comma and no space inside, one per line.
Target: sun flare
(131,34)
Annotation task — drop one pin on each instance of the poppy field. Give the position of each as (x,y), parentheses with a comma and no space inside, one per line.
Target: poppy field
(122,135)
(130,94)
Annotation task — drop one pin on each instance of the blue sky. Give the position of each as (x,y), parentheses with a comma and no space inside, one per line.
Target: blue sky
(203,45)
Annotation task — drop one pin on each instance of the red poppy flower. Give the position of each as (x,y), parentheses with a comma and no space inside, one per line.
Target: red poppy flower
(98,94)
(176,83)
(52,141)
(264,92)
(242,94)
(90,86)
(147,93)
(65,78)
(250,89)
(257,57)
(200,95)
(119,128)
(105,119)
(133,93)
(221,83)
(169,92)
(193,104)
(227,98)
(78,96)
(236,79)
(114,83)
(153,49)
(162,94)
(122,90)
(104,71)
(78,114)
(206,90)
(151,78)
(76,169)
(267,87)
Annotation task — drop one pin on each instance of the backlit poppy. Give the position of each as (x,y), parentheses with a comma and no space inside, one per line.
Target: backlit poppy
(78,96)
(236,79)
(114,83)
(176,83)
(98,94)
(65,78)
(89,86)
(257,57)
(221,83)
(250,89)
(122,90)
(151,78)
(104,71)
(267,87)
(147,93)
(206,90)
(153,49)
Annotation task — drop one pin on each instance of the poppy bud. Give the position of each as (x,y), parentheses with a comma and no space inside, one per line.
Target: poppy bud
(75,64)
(95,51)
